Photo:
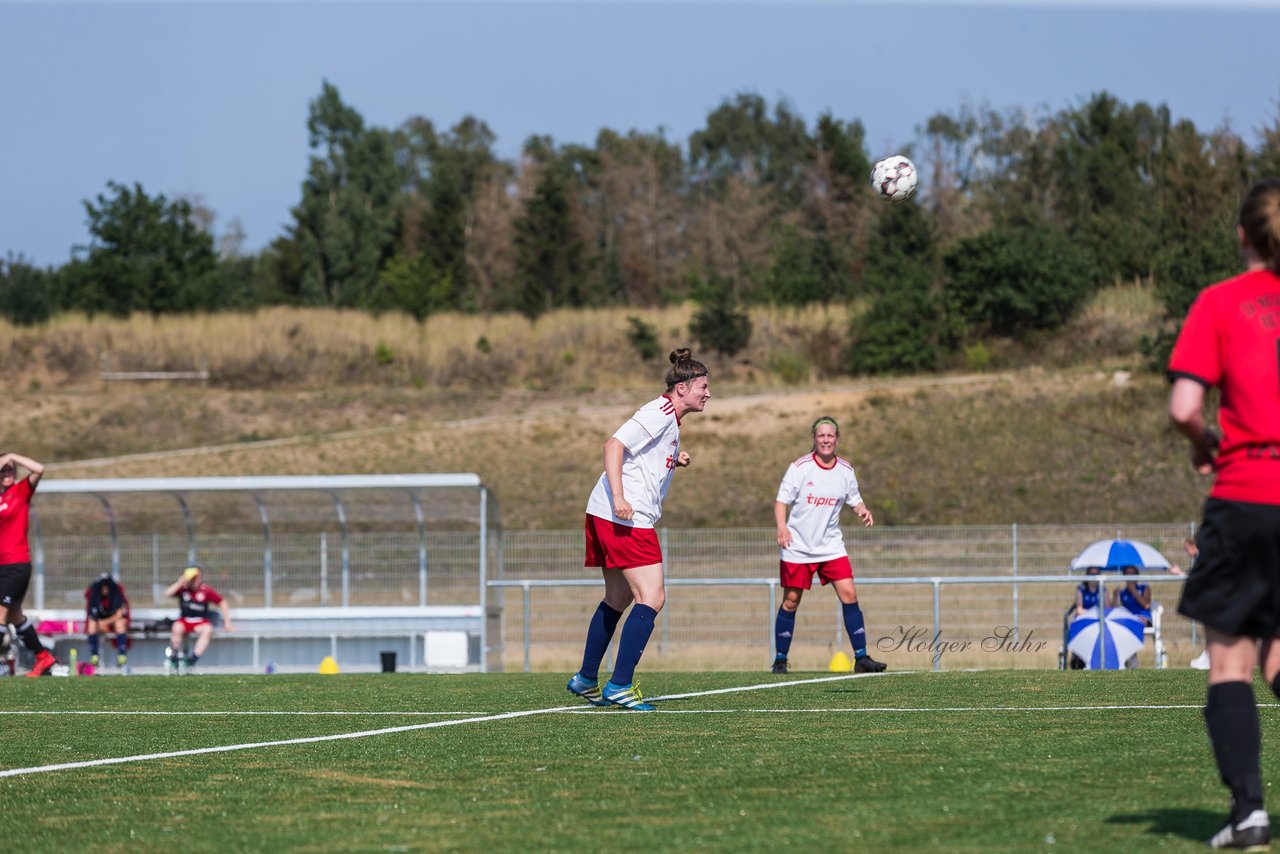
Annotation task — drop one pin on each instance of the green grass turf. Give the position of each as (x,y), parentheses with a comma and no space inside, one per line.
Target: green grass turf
(735,773)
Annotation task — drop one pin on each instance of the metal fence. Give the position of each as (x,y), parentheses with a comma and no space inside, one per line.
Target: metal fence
(722,596)
(307,569)
(721,599)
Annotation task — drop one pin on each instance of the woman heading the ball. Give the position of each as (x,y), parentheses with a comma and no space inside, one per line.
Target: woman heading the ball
(639,462)
(1231,339)
(815,489)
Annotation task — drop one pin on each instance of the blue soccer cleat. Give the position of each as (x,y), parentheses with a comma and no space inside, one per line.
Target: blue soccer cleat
(626,696)
(587,689)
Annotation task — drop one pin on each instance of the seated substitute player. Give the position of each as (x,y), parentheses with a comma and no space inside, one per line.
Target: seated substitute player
(1087,597)
(1135,596)
(1087,592)
(815,488)
(106,609)
(194,600)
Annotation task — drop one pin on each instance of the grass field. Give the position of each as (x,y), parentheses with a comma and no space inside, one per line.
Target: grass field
(977,761)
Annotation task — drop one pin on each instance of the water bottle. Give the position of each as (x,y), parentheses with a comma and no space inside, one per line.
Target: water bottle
(71,659)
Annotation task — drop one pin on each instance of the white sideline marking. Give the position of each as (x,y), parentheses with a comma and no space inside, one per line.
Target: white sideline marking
(765,685)
(237,712)
(120,760)
(983,709)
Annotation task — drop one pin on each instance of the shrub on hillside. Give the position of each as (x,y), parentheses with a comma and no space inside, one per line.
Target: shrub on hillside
(643,337)
(1181,271)
(26,292)
(906,331)
(720,324)
(1011,280)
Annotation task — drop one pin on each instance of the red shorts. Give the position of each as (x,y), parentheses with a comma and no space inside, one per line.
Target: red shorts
(620,546)
(190,624)
(801,574)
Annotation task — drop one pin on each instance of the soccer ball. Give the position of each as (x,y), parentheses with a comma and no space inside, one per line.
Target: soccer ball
(895,178)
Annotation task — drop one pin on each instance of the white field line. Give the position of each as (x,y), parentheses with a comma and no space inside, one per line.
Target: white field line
(788,684)
(984,709)
(215,713)
(119,760)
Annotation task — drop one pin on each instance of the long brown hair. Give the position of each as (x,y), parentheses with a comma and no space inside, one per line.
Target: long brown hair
(1260,219)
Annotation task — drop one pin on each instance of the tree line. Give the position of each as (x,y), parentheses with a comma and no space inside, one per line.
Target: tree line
(1019,218)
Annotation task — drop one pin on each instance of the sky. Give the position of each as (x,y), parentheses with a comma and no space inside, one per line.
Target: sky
(209,99)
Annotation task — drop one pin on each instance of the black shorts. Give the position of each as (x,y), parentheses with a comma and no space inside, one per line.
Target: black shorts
(15,578)
(1234,586)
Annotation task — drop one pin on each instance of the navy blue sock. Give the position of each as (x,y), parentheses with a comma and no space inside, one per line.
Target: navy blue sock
(635,634)
(30,639)
(855,628)
(1231,716)
(599,633)
(784,628)
(122,643)
(93,644)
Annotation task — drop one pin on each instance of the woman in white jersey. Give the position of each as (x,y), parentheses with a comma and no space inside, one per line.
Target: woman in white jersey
(639,461)
(814,489)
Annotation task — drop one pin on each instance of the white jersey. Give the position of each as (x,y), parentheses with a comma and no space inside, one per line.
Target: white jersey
(652,441)
(816,495)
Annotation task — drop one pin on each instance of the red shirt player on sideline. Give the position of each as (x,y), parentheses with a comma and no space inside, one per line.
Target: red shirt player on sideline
(1231,339)
(195,598)
(15,554)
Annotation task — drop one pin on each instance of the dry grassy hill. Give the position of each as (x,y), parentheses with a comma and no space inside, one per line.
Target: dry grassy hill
(1048,432)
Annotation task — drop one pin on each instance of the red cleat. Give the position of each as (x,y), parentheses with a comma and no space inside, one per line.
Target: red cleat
(44,663)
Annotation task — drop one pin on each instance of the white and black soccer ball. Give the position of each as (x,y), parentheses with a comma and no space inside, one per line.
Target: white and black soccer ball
(895,178)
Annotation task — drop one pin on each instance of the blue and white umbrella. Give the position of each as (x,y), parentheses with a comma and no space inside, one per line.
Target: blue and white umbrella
(1105,644)
(1114,554)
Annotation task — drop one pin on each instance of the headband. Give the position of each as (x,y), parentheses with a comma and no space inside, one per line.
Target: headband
(689,379)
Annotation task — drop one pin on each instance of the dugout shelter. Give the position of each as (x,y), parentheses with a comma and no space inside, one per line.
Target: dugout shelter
(349,566)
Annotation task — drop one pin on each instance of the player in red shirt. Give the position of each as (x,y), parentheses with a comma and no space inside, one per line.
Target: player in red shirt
(1231,340)
(15,553)
(195,598)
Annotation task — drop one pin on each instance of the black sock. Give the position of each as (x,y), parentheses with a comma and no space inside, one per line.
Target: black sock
(1231,716)
(30,639)
(1275,685)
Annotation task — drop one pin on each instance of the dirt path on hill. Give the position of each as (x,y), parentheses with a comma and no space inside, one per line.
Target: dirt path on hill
(742,413)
